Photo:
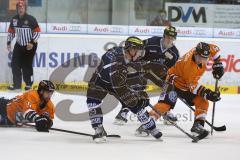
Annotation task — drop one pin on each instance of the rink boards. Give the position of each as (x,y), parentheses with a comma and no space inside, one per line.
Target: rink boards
(70,59)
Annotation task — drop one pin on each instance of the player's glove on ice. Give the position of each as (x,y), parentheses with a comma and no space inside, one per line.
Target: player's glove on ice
(218,70)
(50,122)
(42,124)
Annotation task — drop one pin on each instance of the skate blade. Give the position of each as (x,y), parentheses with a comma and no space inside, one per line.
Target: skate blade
(141,134)
(200,136)
(160,139)
(167,123)
(203,135)
(195,134)
(119,122)
(101,140)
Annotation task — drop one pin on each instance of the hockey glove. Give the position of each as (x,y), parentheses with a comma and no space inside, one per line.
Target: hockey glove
(50,122)
(143,103)
(42,124)
(209,94)
(143,94)
(156,69)
(218,70)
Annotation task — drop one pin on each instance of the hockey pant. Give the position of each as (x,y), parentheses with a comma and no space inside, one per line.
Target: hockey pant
(4,121)
(21,64)
(168,101)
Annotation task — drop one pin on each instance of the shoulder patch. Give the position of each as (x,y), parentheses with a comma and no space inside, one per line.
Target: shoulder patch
(168,55)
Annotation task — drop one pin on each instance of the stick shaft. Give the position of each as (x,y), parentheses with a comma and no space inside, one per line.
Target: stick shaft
(214,103)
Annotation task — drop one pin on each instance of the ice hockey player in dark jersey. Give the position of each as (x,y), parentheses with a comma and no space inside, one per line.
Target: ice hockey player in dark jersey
(162,49)
(159,50)
(110,77)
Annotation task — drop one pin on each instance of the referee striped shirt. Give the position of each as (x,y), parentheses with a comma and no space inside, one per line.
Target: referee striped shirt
(25,29)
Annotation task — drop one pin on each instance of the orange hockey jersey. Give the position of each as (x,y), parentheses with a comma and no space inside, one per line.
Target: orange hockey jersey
(24,103)
(186,72)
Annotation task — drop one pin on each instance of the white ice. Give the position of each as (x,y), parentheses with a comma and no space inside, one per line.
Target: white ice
(28,144)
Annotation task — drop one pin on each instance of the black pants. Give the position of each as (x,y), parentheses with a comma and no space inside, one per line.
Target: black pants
(22,60)
(4,121)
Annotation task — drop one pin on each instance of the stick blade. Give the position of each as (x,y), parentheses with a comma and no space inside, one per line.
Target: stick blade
(222,128)
(114,136)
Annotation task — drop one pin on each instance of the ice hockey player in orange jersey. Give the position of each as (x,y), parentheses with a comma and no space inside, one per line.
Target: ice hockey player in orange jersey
(184,76)
(32,106)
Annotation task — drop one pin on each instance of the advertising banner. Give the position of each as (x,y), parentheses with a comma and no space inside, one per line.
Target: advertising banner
(90,29)
(146,30)
(226,33)
(190,14)
(107,29)
(66,28)
(203,15)
(226,16)
(73,58)
(194,32)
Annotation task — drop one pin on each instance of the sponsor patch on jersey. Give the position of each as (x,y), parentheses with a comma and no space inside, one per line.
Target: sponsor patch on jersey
(153,51)
(168,55)
(15,22)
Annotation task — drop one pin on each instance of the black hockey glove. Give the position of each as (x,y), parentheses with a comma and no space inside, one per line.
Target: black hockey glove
(143,103)
(210,95)
(142,94)
(155,69)
(218,70)
(42,124)
(50,122)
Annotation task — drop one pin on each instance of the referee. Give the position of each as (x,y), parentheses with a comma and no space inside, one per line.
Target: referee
(26,30)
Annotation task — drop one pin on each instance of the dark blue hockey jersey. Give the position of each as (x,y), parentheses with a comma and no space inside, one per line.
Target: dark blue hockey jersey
(155,52)
(111,74)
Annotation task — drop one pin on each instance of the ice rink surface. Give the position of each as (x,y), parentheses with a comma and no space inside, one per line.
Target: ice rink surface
(28,144)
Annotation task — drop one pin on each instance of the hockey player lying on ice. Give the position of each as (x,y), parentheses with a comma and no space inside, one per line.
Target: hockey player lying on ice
(184,75)
(33,106)
(110,77)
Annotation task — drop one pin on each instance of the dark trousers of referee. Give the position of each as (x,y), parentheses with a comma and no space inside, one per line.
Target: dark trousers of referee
(21,64)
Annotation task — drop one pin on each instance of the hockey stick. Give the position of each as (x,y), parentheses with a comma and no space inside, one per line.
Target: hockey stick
(214,103)
(194,139)
(221,128)
(73,132)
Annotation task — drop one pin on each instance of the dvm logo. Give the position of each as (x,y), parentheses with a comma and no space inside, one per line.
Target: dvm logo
(177,13)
